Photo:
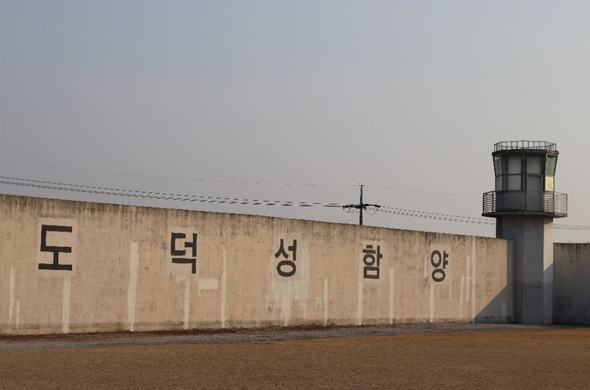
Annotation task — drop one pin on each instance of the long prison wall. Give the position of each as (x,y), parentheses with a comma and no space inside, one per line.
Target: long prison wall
(70,266)
(571,284)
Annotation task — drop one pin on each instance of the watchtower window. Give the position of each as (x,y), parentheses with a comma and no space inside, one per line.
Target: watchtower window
(534,170)
(513,169)
(534,164)
(550,173)
(551,165)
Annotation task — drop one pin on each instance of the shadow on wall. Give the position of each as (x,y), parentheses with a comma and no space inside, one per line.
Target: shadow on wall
(571,286)
(503,303)
(571,291)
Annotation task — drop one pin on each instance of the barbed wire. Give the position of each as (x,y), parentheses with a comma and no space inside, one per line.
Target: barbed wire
(178,177)
(252,202)
(156,195)
(436,216)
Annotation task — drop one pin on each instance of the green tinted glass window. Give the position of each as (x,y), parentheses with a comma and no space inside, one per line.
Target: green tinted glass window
(551,164)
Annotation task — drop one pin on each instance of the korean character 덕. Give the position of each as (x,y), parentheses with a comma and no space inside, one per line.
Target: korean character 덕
(185,259)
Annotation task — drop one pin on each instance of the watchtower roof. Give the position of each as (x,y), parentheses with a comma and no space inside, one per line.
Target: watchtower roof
(525,145)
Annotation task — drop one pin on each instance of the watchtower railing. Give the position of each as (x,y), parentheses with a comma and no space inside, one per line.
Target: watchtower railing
(519,145)
(525,202)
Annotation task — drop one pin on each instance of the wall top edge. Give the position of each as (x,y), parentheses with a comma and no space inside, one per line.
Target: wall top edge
(5,198)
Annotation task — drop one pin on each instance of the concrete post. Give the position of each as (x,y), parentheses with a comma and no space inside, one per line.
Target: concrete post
(533,266)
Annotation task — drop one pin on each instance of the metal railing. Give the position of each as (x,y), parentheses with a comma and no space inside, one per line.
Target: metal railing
(529,202)
(518,145)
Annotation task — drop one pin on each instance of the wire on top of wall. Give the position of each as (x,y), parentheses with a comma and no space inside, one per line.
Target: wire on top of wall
(180,178)
(156,195)
(250,202)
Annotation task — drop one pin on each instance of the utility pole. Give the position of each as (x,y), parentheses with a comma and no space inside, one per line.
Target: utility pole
(361,206)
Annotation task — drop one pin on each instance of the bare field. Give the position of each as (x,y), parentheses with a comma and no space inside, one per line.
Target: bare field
(525,358)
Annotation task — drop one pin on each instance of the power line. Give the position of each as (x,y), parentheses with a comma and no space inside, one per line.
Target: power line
(155,195)
(571,227)
(445,193)
(458,218)
(246,182)
(421,191)
(250,202)
(408,211)
(227,181)
(348,220)
(361,206)
(221,200)
(209,199)
(435,216)
(178,178)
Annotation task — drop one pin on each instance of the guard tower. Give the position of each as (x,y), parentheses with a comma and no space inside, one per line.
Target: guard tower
(524,205)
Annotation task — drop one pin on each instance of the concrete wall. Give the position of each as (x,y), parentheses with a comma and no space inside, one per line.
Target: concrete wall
(571,273)
(131,270)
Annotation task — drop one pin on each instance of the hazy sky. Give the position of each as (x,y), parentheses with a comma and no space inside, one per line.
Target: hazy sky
(408,95)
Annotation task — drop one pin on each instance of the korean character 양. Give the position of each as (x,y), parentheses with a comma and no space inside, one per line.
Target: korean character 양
(439,262)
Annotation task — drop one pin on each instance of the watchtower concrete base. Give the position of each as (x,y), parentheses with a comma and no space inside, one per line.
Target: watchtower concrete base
(533,266)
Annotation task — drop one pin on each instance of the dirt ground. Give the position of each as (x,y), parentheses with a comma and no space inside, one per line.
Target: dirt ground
(394,357)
